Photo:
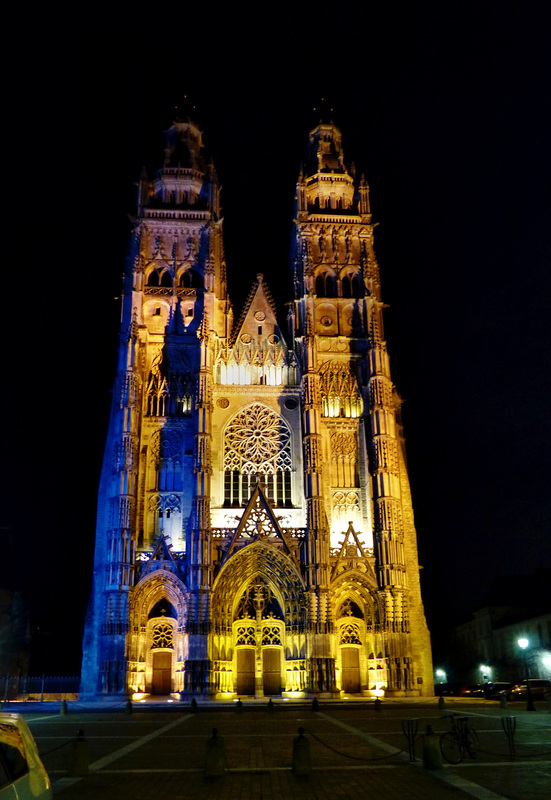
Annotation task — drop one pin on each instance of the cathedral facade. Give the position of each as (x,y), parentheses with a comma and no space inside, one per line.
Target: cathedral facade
(255,532)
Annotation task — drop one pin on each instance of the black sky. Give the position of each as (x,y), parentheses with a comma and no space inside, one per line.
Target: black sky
(446,110)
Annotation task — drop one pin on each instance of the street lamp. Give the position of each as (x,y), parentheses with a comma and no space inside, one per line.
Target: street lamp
(441,677)
(485,670)
(523,644)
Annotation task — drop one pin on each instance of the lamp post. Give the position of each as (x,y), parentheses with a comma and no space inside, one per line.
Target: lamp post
(523,644)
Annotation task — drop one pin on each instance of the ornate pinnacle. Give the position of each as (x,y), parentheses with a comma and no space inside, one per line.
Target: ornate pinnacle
(203,331)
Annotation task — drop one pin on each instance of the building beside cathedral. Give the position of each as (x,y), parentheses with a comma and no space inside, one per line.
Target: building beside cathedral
(255,531)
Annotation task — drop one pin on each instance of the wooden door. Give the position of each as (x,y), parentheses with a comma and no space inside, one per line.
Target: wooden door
(350,669)
(162,673)
(271,670)
(245,671)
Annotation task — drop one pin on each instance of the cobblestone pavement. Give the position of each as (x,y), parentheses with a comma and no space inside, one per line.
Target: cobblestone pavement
(159,751)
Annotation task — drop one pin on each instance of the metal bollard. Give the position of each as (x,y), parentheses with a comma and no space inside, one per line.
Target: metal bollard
(79,756)
(63,708)
(509,725)
(215,756)
(432,756)
(302,764)
(503,700)
(271,707)
(193,705)
(239,707)
(128,707)
(315,704)
(377,704)
(409,728)
(441,703)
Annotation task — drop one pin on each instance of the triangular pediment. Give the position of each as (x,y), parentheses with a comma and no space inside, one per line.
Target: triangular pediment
(258,321)
(161,558)
(258,523)
(350,553)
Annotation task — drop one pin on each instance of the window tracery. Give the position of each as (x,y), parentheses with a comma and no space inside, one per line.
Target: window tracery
(257,447)
(271,635)
(350,633)
(246,634)
(340,396)
(163,635)
(169,388)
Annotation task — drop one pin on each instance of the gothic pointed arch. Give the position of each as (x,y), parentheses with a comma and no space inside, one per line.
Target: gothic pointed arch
(260,563)
(153,588)
(326,283)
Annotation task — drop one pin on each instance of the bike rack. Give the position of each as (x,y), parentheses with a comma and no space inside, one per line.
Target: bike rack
(410,727)
(509,725)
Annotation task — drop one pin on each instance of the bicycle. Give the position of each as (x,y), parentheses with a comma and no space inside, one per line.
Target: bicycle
(460,741)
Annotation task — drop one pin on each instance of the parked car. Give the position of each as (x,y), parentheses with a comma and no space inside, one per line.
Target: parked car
(540,689)
(22,774)
(473,690)
(495,689)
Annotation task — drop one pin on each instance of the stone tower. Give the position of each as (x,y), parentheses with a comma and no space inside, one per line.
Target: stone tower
(255,530)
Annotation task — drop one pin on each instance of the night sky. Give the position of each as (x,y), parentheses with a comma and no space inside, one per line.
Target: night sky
(446,111)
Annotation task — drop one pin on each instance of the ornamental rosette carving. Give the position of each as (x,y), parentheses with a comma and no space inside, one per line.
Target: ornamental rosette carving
(166,445)
(342,444)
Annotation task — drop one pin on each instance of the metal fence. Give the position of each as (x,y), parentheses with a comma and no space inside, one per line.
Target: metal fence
(27,688)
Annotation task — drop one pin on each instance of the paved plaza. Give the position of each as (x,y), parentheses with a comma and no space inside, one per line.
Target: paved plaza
(356,751)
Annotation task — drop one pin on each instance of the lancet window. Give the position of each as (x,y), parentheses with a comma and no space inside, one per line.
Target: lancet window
(167,396)
(190,279)
(352,285)
(257,448)
(326,285)
(160,277)
(340,396)
(166,452)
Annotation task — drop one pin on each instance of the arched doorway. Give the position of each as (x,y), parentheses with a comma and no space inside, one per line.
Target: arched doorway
(161,632)
(157,641)
(351,632)
(259,634)
(259,622)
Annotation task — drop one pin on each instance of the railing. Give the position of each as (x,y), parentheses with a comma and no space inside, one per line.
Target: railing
(156,213)
(27,688)
(145,555)
(227,533)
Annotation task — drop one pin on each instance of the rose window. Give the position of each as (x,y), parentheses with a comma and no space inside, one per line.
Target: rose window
(162,635)
(257,449)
